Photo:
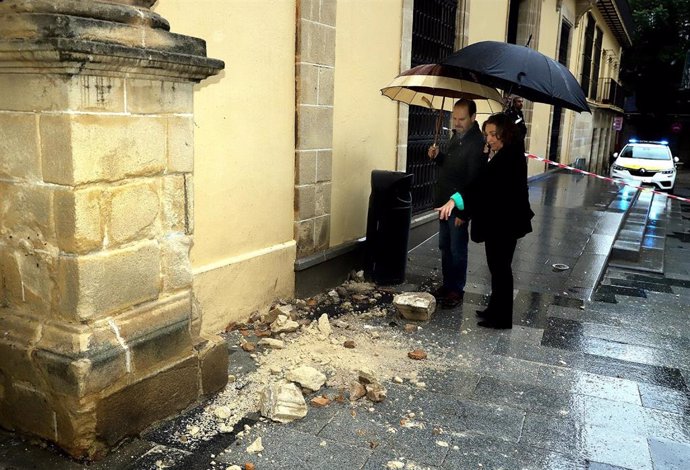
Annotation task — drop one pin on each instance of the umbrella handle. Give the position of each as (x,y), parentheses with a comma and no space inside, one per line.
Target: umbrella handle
(439,118)
(437,128)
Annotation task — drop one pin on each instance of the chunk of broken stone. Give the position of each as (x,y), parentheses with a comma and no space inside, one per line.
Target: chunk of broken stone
(417,354)
(366,376)
(248,346)
(341,324)
(375,392)
(357,391)
(349,344)
(410,328)
(324,325)
(272,343)
(283,324)
(320,401)
(222,412)
(282,402)
(418,306)
(255,447)
(273,314)
(307,377)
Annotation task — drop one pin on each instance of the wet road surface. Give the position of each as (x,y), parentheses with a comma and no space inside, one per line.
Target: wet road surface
(594,374)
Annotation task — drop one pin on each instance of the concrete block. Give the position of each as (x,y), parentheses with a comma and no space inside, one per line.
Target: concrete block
(180,146)
(133,212)
(84,148)
(96,285)
(159,97)
(19,152)
(415,305)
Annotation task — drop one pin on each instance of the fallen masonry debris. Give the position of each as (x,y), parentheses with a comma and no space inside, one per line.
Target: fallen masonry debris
(307,377)
(417,354)
(283,402)
(320,401)
(417,306)
(314,333)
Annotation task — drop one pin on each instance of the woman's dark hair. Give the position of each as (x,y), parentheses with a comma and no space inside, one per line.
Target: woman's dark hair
(506,130)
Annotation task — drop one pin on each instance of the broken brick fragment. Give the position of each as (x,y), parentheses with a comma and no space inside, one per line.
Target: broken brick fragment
(417,354)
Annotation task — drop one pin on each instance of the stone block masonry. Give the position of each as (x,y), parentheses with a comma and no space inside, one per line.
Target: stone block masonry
(98,335)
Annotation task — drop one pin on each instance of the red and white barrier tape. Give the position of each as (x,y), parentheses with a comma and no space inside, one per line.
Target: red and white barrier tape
(605,178)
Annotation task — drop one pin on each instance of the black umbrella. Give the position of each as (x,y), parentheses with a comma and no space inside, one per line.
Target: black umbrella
(521,71)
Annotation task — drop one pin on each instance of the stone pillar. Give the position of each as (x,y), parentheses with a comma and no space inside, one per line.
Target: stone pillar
(315,70)
(98,335)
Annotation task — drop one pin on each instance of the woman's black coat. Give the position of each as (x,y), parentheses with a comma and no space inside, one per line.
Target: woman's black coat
(498,200)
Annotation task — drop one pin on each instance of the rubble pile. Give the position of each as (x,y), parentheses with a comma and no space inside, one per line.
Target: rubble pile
(339,347)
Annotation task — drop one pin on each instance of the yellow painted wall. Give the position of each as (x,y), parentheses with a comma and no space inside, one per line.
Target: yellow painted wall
(488,20)
(540,131)
(368,36)
(243,250)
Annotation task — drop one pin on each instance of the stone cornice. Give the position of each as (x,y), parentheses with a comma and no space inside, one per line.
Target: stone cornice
(69,36)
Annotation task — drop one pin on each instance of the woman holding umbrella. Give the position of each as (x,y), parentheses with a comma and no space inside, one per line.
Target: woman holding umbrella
(498,203)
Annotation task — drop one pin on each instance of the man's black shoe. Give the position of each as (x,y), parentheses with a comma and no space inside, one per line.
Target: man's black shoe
(495,325)
(440,293)
(451,300)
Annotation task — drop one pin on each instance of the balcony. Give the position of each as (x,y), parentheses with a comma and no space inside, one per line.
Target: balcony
(610,92)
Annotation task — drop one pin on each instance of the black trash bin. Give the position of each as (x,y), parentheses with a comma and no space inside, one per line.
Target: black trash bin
(388,226)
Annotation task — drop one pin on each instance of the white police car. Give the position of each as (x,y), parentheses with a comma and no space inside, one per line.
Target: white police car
(646,163)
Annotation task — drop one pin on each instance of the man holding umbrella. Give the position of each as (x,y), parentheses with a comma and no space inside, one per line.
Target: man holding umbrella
(458,166)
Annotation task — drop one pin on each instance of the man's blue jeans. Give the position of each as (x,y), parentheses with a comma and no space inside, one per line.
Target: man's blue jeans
(452,242)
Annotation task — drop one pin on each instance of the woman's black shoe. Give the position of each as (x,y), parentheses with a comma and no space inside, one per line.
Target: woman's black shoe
(486,313)
(495,325)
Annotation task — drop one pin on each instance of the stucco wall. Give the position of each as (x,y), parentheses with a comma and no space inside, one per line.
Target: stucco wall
(487,20)
(243,250)
(365,124)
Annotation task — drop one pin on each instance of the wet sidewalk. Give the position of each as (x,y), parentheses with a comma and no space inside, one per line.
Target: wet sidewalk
(594,374)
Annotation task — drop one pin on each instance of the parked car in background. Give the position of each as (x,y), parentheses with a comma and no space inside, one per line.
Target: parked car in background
(647,163)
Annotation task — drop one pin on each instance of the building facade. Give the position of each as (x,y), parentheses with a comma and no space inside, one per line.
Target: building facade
(237,189)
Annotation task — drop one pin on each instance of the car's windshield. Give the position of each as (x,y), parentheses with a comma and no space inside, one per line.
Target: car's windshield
(649,152)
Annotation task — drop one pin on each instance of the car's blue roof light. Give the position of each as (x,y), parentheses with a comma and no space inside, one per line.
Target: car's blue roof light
(663,142)
(633,141)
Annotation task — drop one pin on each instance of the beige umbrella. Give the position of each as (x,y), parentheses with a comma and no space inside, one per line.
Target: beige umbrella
(437,87)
